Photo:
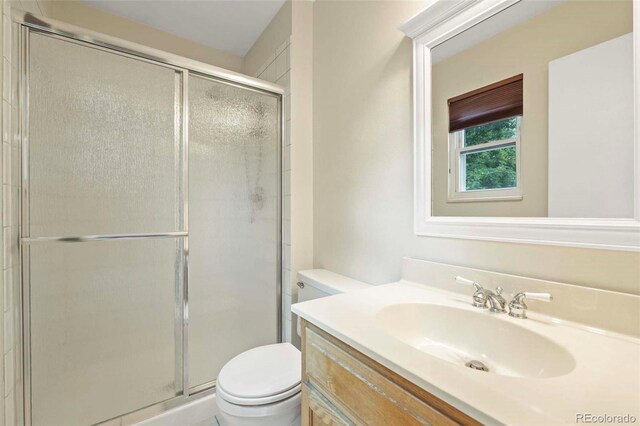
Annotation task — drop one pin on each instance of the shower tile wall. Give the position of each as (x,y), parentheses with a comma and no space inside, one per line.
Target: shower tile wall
(277,69)
(10,208)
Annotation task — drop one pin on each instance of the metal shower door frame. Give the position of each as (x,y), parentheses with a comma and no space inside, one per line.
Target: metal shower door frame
(26,24)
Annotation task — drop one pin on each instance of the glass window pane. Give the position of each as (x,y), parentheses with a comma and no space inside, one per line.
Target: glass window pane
(233,222)
(102,151)
(103,335)
(491,169)
(498,130)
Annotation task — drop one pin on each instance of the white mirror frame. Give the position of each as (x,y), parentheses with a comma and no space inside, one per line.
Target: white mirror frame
(440,21)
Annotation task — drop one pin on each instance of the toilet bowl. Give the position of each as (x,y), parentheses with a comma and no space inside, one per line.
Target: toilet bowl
(261,387)
(283,413)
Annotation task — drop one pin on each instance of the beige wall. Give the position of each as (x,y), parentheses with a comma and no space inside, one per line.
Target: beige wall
(301,144)
(528,49)
(363,156)
(75,13)
(277,32)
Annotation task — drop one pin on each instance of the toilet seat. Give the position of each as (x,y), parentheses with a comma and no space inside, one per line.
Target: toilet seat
(258,401)
(261,376)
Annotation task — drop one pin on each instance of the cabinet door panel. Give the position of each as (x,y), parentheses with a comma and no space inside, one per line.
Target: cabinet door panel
(318,411)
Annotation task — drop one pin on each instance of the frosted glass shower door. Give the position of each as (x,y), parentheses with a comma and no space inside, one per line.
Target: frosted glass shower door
(102,142)
(234,218)
(104,160)
(102,329)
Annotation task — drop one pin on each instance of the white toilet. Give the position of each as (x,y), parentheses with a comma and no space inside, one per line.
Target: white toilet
(262,385)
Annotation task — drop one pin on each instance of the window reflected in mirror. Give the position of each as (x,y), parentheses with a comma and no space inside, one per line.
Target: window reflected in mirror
(484,142)
(532,113)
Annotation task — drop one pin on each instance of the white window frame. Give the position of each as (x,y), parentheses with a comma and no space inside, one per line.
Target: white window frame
(457,172)
(438,22)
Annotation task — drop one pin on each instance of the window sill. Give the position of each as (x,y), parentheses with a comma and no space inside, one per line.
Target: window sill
(479,199)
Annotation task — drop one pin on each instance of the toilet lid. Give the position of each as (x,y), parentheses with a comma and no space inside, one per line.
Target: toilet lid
(263,374)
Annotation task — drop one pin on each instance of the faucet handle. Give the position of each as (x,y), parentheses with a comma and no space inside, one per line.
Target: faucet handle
(479,295)
(544,297)
(466,281)
(518,307)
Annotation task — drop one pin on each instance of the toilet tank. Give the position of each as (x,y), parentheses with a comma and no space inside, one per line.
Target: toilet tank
(316,283)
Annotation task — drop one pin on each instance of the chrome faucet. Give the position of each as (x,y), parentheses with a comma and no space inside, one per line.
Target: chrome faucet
(497,302)
(483,298)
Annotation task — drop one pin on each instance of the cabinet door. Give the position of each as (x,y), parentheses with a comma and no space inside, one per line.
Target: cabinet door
(318,411)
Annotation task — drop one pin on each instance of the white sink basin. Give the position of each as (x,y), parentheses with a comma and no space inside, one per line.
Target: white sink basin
(461,336)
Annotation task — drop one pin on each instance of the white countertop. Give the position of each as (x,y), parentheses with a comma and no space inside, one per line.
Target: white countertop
(605,380)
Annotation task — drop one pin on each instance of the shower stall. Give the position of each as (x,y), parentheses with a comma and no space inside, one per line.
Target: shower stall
(150,224)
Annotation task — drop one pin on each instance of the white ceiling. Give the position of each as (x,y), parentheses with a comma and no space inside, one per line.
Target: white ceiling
(229,25)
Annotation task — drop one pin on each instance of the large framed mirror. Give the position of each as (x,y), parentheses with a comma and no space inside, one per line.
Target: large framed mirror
(526,121)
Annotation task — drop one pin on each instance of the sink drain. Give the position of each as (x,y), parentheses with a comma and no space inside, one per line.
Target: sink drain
(476,365)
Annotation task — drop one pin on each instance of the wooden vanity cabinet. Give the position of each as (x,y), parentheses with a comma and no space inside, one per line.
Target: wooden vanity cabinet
(341,386)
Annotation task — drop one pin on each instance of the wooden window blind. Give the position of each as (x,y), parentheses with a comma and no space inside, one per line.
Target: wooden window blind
(496,101)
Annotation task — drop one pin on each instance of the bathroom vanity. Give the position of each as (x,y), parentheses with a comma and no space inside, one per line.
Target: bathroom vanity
(342,386)
(418,352)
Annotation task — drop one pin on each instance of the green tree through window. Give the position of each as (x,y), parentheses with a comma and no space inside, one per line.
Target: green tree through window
(495,168)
